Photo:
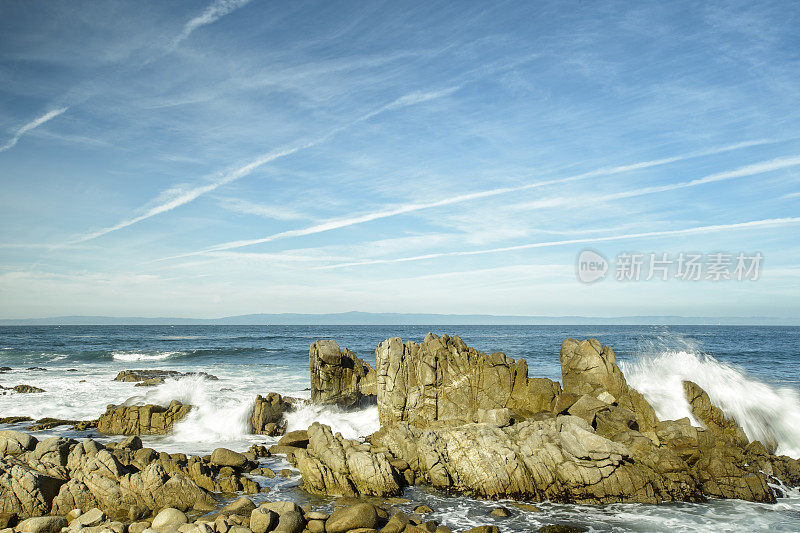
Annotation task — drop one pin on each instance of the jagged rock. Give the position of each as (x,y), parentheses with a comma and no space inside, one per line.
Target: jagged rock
(443,379)
(559,459)
(267,418)
(723,428)
(337,466)
(338,376)
(103,483)
(155,374)
(25,491)
(590,369)
(361,515)
(16,442)
(141,419)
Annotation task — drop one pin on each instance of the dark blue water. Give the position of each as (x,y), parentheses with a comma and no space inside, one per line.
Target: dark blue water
(771,354)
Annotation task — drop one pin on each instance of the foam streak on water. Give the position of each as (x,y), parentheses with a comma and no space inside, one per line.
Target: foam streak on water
(766,413)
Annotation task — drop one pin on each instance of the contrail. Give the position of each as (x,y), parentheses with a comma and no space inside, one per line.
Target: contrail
(771,222)
(178,197)
(33,124)
(213,12)
(604,171)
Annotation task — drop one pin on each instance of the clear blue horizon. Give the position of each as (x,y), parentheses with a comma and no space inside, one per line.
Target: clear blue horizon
(237,157)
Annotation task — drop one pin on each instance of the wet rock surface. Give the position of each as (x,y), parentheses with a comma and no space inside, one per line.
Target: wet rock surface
(141,419)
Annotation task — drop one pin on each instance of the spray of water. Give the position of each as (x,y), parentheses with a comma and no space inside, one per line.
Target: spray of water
(765,412)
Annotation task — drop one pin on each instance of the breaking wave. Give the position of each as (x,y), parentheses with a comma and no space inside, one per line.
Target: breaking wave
(765,412)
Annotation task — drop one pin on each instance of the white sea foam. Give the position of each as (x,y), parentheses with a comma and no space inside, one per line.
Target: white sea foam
(765,412)
(138,356)
(351,424)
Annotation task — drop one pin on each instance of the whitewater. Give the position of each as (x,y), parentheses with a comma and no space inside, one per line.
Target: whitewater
(751,373)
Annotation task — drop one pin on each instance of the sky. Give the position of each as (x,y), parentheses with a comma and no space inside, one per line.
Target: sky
(213,158)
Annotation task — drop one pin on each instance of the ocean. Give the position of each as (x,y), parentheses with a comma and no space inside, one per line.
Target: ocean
(751,372)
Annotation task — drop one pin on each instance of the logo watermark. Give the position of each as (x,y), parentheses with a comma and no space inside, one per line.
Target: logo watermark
(684,266)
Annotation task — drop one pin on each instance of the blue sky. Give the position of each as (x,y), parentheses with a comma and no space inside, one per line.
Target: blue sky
(204,159)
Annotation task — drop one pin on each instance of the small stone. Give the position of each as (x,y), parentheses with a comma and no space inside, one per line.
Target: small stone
(286,473)
(138,527)
(501,512)
(561,528)
(422,509)
(90,518)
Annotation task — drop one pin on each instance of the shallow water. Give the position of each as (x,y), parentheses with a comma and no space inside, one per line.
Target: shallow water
(752,372)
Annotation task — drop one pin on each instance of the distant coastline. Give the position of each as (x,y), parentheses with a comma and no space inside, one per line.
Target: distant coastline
(356,318)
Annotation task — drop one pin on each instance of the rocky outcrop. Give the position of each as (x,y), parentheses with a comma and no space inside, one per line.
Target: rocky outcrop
(267,417)
(444,379)
(334,465)
(156,377)
(558,459)
(590,375)
(474,423)
(141,419)
(338,376)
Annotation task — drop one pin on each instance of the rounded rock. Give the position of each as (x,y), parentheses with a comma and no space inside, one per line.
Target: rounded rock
(361,515)
(169,518)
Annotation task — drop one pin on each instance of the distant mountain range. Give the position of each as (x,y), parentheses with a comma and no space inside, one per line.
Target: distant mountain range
(395,319)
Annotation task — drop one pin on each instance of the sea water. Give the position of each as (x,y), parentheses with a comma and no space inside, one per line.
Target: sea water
(753,373)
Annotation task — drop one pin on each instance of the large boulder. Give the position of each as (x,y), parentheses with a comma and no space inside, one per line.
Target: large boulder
(338,376)
(348,518)
(16,442)
(141,419)
(444,379)
(42,524)
(267,417)
(337,466)
(589,369)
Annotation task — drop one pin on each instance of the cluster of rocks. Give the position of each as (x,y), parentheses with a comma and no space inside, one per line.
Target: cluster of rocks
(243,516)
(124,480)
(153,377)
(339,377)
(476,424)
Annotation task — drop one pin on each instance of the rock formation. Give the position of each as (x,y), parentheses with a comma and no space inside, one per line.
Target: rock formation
(474,423)
(444,379)
(267,417)
(338,376)
(141,419)
(334,465)
(156,377)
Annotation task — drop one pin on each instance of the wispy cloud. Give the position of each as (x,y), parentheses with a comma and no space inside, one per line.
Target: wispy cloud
(772,222)
(212,13)
(745,171)
(276,212)
(33,124)
(792,195)
(177,197)
(410,208)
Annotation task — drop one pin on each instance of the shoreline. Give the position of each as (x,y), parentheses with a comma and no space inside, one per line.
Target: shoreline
(455,498)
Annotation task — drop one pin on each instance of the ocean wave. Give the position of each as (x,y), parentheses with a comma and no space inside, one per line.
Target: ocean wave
(141,356)
(765,412)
